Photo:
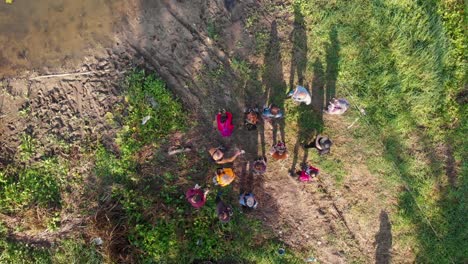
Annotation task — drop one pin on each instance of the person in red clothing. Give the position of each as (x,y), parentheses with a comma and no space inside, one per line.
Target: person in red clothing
(224,120)
(308,173)
(196,197)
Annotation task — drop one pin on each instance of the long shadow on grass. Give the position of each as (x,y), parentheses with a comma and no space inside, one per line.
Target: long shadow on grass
(310,119)
(331,72)
(299,49)
(273,81)
(383,240)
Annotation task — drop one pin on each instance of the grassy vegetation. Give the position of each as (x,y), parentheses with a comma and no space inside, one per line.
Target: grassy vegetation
(36,185)
(405,63)
(162,225)
(68,251)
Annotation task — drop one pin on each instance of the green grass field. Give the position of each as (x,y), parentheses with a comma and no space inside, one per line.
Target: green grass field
(402,61)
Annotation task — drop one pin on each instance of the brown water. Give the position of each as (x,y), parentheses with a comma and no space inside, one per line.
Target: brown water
(45,35)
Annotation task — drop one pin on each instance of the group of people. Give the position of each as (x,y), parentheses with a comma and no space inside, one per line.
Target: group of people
(252,117)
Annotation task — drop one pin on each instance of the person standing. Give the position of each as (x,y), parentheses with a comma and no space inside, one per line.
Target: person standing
(224,121)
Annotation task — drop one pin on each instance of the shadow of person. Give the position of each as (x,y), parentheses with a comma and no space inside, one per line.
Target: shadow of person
(299,49)
(383,240)
(309,123)
(332,60)
(318,95)
(273,81)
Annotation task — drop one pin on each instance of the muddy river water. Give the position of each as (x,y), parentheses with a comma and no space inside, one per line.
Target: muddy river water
(45,35)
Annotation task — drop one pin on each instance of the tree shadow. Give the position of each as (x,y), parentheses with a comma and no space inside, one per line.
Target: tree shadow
(439,243)
(383,240)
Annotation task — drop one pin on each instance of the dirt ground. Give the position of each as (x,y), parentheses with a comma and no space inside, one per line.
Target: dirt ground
(338,223)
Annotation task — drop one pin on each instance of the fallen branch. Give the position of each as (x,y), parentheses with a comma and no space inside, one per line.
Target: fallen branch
(67,74)
(177,151)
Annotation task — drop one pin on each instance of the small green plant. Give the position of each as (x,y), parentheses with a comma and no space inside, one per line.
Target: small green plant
(27,148)
(53,222)
(212,30)
(24,112)
(20,253)
(242,67)
(261,41)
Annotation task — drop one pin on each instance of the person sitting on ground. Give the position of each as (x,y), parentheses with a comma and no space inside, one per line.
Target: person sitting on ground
(279,151)
(300,95)
(224,121)
(196,197)
(224,177)
(217,155)
(248,200)
(271,112)
(223,211)
(259,166)
(321,143)
(251,118)
(308,173)
(337,106)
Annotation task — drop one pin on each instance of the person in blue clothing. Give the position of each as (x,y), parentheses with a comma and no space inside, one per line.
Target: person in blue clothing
(248,200)
(271,112)
(300,95)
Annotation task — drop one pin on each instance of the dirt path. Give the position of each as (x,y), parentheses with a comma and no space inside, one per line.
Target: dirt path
(335,223)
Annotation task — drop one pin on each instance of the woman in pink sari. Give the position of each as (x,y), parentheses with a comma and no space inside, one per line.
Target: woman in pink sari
(224,120)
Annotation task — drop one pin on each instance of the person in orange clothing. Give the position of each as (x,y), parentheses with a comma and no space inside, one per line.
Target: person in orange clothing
(279,151)
(224,177)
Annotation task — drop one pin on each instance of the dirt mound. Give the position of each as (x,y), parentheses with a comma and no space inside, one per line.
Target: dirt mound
(51,110)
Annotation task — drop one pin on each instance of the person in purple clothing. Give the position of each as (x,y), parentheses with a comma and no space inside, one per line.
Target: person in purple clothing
(337,106)
(224,211)
(196,197)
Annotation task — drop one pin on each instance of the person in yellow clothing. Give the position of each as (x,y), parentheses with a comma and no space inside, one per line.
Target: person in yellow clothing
(224,177)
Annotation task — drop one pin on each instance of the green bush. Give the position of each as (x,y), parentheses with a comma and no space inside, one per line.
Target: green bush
(148,96)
